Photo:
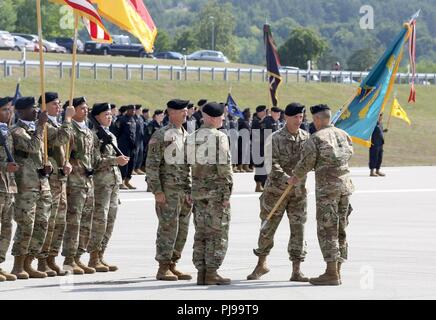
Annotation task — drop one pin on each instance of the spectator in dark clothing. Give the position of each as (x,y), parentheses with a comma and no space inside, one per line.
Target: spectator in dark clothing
(376,150)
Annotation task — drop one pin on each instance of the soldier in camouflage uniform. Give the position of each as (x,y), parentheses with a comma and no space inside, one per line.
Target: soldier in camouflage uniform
(33,200)
(8,187)
(107,178)
(169,178)
(212,184)
(286,144)
(328,151)
(80,192)
(58,136)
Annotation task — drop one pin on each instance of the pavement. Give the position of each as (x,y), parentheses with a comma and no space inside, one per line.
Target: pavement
(392,249)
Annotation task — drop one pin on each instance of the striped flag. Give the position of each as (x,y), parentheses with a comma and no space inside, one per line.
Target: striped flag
(272,64)
(90,17)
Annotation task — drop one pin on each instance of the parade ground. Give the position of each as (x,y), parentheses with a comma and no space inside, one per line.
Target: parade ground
(392,249)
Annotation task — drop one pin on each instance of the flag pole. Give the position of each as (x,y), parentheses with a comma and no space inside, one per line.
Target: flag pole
(42,75)
(390,113)
(73,75)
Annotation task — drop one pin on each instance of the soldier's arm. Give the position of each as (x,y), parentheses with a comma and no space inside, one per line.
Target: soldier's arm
(154,158)
(26,143)
(307,161)
(277,172)
(99,159)
(59,136)
(224,170)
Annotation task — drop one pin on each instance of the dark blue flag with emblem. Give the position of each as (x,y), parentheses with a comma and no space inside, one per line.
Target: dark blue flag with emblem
(272,64)
(233,107)
(17,94)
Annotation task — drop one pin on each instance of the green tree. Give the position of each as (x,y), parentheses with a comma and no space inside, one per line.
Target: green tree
(302,45)
(186,42)
(8,15)
(362,59)
(163,42)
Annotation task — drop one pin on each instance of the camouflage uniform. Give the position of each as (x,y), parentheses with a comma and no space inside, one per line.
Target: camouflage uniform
(211,185)
(33,200)
(107,178)
(328,152)
(8,188)
(57,136)
(286,151)
(80,193)
(174,180)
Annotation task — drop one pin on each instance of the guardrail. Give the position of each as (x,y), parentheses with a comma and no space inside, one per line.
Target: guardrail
(117,71)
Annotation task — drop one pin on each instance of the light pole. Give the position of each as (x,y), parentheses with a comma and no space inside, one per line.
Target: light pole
(213,32)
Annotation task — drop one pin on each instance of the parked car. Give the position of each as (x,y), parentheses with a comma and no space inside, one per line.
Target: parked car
(48,46)
(121,46)
(21,43)
(168,55)
(6,41)
(208,55)
(67,43)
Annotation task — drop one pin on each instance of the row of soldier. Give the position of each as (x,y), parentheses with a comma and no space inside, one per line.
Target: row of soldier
(202,188)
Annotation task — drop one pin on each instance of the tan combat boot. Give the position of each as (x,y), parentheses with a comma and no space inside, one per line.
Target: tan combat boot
(247,168)
(259,187)
(329,278)
(260,269)
(43,267)
(379,173)
(123,186)
(2,278)
(128,185)
(51,262)
(201,277)
(95,263)
(111,267)
(164,273)
(297,275)
(7,276)
(140,172)
(373,174)
(71,266)
(88,270)
(18,269)
(213,278)
(180,275)
(32,272)
(240,168)
(235,168)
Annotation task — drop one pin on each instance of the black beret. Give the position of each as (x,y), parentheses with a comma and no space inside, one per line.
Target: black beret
(138,106)
(99,108)
(78,101)
(319,108)
(49,97)
(157,112)
(177,104)
(130,107)
(214,109)
(246,111)
(25,103)
(113,106)
(122,109)
(190,106)
(144,110)
(276,109)
(260,108)
(4,101)
(294,108)
(201,102)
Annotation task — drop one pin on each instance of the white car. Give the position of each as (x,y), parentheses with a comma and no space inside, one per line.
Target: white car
(208,55)
(6,41)
(21,43)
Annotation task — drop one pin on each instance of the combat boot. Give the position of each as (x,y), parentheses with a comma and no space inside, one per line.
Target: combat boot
(373,174)
(259,187)
(260,269)
(240,168)
(164,273)
(111,267)
(71,266)
(201,277)
(88,270)
(32,272)
(379,173)
(339,272)
(123,186)
(51,262)
(235,168)
(95,263)
(213,278)
(18,269)
(43,267)
(140,172)
(128,185)
(297,275)
(329,278)
(180,275)
(247,168)
(7,276)
(2,278)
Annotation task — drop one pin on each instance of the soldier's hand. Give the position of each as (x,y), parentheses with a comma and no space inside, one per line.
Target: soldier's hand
(48,169)
(42,118)
(69,113)
(68,168)
(189,199)
(226,203)
(122,160)
(292,180)
(160,198)
(12,167)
